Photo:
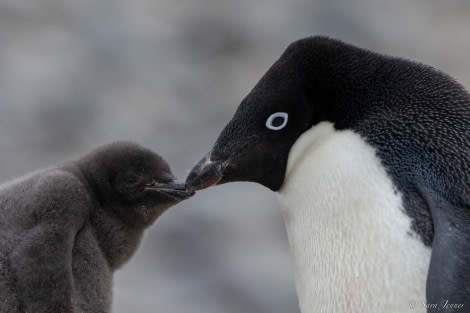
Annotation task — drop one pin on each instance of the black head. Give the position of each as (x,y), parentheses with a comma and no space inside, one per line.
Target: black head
(133,181)
(255,144)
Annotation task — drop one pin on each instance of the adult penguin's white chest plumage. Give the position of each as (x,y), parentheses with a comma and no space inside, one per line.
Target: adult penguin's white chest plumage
(351,240)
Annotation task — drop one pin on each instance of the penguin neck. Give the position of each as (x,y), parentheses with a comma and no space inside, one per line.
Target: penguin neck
(351,241)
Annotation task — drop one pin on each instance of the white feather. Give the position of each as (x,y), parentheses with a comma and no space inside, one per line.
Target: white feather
(352,243)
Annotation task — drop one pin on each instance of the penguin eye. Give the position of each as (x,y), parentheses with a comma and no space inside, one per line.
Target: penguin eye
(130,180)
(277,121)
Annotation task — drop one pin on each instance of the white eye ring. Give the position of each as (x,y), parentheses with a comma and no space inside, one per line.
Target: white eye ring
(272,117)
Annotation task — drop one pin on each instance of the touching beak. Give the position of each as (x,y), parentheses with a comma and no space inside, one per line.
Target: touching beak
(176,189)
(206,173)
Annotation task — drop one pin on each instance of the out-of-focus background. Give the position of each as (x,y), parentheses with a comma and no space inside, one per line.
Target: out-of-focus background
(169,74)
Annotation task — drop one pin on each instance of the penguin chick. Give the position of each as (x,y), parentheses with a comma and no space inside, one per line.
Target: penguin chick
(370,158)
(65,230)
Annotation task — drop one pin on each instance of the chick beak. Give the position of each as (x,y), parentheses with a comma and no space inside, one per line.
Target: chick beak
(175,188)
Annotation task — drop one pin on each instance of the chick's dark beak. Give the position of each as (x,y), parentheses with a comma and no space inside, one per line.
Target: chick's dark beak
(206,173)
(176,189)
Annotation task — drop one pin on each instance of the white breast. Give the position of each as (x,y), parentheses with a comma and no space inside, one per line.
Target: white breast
(352,243)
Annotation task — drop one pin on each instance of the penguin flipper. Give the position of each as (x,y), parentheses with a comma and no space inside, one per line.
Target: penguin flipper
(43,274)
(40,262)
(448,281)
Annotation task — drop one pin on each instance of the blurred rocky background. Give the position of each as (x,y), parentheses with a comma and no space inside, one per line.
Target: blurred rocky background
(169,74)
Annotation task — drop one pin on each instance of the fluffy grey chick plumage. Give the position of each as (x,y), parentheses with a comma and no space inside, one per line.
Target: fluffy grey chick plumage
(65,230)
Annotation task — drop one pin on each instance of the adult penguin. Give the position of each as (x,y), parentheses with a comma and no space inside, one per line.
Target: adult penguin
(66,229)
(370,157)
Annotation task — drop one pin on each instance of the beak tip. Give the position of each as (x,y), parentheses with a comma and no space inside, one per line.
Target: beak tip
(189,190)
(204,178)
(204,174)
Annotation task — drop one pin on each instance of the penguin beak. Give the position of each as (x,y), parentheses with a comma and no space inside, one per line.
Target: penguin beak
(175,189)
(206,173)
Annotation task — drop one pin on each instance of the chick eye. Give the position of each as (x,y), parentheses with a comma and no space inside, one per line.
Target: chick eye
(130,180)
(277,121)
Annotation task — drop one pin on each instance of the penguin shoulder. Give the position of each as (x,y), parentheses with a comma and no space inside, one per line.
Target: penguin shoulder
(53,196)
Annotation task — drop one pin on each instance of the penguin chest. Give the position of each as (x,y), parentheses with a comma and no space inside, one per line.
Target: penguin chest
(352,243)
